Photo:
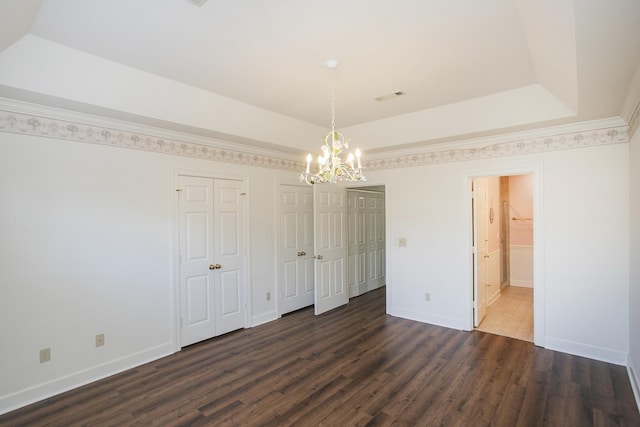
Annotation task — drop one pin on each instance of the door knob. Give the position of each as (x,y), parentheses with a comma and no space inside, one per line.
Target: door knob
(215,266)
(218,266)
(302,253)
(318,257)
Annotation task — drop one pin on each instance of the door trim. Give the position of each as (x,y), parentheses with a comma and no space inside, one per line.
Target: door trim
(539,334)
(175,246)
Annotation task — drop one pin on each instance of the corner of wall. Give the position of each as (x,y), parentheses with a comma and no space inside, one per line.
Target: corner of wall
(635,381)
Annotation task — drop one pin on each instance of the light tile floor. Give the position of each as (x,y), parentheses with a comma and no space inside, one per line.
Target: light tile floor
(511,315)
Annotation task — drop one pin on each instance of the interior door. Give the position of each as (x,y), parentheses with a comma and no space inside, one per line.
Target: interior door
(380,241)
(296,247)
(196,255)
(352,244)
(212,258)
(330,247)
(229,253)
(481,276)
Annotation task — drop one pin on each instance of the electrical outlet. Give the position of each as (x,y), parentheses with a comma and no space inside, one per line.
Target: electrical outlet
(427,296)
(99,340)
(268,296)
(45,355)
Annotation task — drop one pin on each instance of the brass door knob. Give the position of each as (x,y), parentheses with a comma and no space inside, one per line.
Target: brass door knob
(318,257)
(215,266)
(302,253)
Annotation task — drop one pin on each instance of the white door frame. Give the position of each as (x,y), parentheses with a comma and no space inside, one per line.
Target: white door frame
(538,244)
(175,246)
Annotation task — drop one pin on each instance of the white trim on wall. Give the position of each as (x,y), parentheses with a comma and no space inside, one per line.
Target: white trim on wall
(634,380)
(38,120)
(57,386)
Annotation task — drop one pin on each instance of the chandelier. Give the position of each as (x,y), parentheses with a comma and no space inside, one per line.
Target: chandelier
(332,167)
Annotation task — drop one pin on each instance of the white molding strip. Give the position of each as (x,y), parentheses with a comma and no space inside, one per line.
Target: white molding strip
(32,119)
(60,385)
(634,380)
(28,124)
(608,135)
(586,350)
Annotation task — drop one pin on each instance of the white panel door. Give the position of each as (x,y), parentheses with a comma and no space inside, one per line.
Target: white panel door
(330,243)
(481,276)
(380,243)
(352,245)
(212,258)
(229,247)
(196,255)
(296,247)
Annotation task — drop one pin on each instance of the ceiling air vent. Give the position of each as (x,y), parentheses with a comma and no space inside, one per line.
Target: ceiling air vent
(389,96)
(198,2)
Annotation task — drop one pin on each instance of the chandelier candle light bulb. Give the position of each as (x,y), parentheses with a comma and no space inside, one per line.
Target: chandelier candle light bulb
(331,168)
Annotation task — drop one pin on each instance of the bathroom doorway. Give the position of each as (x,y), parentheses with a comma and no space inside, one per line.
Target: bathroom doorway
(503,221)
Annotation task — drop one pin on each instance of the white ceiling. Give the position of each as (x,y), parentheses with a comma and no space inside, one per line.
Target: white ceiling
(466,67)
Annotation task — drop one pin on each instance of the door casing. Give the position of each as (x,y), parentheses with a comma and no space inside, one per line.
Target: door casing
(538,242)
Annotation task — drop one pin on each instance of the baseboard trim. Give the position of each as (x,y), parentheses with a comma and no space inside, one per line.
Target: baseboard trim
(586,350)
(39,392)
(264,318)
(418,316)
(635,381)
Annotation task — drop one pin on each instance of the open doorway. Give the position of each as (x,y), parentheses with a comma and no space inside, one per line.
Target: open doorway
(503,220)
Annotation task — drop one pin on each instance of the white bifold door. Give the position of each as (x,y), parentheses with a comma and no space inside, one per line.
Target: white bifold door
(212,257)
(330,214)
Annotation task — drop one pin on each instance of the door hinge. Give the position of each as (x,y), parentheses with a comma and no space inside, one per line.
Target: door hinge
(178,189)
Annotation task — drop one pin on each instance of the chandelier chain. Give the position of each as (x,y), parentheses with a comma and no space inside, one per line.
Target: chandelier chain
(333,101)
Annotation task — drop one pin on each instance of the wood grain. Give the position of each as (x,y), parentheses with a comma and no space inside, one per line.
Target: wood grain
(354,366)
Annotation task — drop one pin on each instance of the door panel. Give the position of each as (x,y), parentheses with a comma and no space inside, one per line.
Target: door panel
(296,247)
(196,249)
(331,247)
(480,243)
(229,254)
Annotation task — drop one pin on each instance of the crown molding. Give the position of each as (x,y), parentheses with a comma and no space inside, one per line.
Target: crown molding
(548,139)
(38,120)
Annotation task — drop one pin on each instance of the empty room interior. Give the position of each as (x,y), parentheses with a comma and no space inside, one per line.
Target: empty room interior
(320,213)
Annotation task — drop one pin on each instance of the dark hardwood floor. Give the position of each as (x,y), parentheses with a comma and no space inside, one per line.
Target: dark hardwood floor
(352,366)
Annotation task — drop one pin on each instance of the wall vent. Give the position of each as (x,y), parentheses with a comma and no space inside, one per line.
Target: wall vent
(389,96)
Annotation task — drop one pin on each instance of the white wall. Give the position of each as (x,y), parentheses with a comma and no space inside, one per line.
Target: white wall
(585,226)
(87,242)
(634,292)
(86,248)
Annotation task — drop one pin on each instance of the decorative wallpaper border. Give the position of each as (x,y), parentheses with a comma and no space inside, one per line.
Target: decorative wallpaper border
(30,124)
(606,136)
(60,129)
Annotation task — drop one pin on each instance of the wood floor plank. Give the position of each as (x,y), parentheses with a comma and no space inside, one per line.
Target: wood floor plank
(353,366)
